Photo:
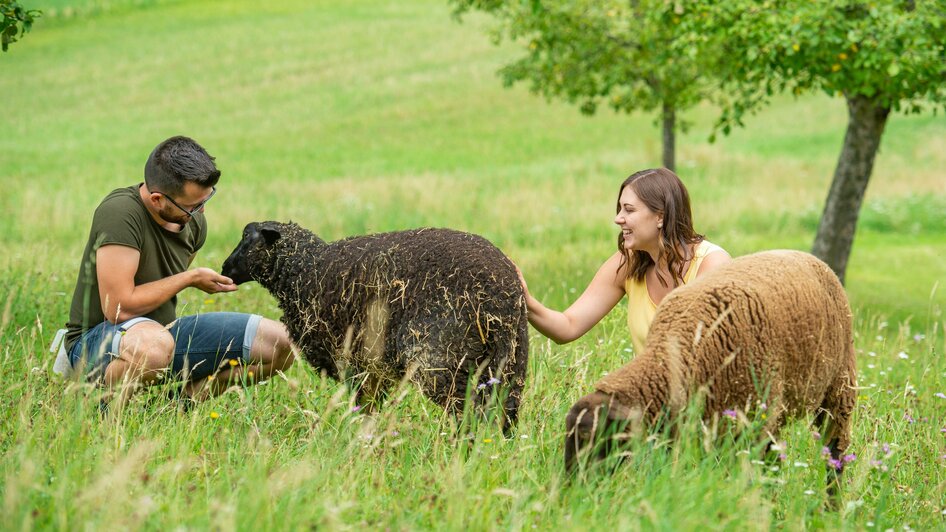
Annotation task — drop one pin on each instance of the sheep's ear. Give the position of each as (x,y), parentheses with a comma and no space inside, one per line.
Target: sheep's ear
(270,236)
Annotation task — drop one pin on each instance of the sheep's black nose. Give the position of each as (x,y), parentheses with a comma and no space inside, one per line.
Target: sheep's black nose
(236,268)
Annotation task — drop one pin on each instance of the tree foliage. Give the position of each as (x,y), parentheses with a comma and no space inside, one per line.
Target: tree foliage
(17,20)
(621,54)
(881,56)
(892,52)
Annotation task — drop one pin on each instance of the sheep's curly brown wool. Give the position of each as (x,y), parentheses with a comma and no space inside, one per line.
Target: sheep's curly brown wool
(435,306)
(774,326)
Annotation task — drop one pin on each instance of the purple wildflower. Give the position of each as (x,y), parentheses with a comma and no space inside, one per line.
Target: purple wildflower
(763,407)
(943,430)
(836,464)
(782,457)
(886,449)
(480,386)
(848,458)
(492,381)
(825,451)
(356,408)
(941,395)
(908,417)
(816,435)
(729,413)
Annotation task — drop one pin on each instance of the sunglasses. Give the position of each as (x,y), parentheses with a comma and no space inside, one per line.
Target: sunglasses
(199,207)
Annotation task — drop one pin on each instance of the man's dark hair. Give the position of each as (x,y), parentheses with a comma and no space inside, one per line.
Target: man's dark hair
(176,160)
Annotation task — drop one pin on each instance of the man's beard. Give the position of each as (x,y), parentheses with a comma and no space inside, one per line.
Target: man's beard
(173,215)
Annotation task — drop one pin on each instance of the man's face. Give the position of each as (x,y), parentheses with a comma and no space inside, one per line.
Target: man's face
(180,209)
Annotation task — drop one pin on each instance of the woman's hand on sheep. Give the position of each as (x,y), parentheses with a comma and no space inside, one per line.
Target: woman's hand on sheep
(211,282)
(522,281)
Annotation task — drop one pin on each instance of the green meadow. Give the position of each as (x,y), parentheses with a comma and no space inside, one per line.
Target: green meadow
(366,116)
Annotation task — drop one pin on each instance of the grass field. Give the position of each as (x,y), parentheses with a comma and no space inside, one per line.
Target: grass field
(363,116)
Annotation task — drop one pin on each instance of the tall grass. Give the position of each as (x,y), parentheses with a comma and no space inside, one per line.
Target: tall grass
(366,116)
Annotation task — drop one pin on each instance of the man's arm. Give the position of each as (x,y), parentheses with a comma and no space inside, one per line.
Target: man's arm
(121,300)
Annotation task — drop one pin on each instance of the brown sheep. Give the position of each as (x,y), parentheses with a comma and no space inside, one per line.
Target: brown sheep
(776,321)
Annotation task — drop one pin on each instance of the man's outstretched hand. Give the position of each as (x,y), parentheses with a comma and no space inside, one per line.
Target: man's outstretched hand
(211,282)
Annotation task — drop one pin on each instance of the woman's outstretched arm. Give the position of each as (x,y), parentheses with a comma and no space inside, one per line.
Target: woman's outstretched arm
(602,294)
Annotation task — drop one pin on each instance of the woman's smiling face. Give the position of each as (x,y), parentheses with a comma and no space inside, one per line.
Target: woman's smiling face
(640,226)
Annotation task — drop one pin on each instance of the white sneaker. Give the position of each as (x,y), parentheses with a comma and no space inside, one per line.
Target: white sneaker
(62,366)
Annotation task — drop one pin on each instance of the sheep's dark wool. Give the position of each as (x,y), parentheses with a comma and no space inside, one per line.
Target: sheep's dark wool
(434,306)
(774,326)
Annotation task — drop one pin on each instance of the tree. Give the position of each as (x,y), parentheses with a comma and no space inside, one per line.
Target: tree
(881,56)
(16,22)
(601,52)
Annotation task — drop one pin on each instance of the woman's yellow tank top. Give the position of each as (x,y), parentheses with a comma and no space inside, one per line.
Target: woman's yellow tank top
(641,308)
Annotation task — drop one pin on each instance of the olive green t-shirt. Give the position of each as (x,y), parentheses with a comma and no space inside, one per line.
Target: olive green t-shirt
(123,219)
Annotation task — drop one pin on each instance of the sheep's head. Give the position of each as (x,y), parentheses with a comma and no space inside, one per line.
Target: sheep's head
(597,425)
(253,257)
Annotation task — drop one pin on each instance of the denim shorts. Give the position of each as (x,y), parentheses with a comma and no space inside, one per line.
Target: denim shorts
(203,343)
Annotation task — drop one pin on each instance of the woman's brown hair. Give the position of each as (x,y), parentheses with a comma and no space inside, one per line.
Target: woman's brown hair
(663,193)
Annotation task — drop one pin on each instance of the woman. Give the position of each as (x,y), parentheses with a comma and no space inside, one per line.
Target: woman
(658,250)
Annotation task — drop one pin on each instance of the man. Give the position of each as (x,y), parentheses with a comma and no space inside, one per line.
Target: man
(122,326)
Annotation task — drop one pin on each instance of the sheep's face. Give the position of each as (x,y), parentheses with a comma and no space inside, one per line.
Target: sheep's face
(250,259)
(597,425)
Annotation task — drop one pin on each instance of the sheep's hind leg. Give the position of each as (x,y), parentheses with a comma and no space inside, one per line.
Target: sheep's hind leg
(515,375)
(834,420)
(443,385)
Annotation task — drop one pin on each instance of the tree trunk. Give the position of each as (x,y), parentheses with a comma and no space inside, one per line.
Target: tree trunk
(866,121)
(669,139)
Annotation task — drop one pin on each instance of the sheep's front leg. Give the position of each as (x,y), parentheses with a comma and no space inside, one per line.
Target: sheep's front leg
(370,391)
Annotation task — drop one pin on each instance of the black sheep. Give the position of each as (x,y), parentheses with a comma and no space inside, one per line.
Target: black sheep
(435,306)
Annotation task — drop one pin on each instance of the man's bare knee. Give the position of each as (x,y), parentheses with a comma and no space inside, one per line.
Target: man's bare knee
(148,346)
(272,345)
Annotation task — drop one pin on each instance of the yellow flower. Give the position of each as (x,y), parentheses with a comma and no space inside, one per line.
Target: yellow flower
(208,301)
(763,415)
(835,67)
(210,378)
(233,362)
(214,415)
(842,56)
(796,47)
(249,374)
(488,440)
